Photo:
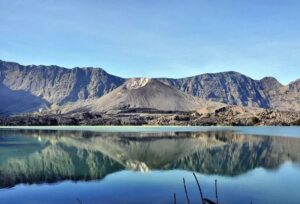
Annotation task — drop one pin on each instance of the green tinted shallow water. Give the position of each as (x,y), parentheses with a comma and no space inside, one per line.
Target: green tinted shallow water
(147,164)
(292,131)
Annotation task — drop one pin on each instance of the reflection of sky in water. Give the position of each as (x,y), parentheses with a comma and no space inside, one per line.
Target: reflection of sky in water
(259,186)
(248,168)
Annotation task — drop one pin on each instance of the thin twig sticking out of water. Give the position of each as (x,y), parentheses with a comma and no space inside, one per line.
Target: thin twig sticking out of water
(186,193)
(199,187)
(174,198)
(216,189)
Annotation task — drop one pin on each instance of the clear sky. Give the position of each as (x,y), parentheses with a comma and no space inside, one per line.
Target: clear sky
(170,38)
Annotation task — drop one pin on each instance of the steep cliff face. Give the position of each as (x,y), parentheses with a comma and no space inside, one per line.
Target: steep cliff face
(282,97)
(270,84)
(226,87)
(56,84)
(236,89)
(295,86)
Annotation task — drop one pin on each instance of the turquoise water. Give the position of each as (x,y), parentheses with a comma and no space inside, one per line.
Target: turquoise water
(107,165)
(292,131)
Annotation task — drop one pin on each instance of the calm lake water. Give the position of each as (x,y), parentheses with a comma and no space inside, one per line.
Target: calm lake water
(147,165)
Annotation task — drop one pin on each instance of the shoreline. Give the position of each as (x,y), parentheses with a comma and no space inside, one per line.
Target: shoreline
(280,131)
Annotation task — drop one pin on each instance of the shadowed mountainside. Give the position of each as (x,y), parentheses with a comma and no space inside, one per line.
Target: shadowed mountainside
(58,85)
(18,101)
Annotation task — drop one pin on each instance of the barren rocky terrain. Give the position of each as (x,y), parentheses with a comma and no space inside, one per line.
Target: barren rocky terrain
(229,115)
(52,95)
(141,93)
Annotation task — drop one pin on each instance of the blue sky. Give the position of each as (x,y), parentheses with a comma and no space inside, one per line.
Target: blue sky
(156,37)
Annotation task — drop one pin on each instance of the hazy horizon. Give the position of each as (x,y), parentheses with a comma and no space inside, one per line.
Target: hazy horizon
(135,38)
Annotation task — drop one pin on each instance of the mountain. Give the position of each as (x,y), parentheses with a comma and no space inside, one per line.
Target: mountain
(282,97)
(237,89)
(227,87)
(58,85)
(52,86)
(18,101)
(142,93)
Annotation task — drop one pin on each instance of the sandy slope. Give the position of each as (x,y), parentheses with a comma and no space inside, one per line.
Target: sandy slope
(142,93)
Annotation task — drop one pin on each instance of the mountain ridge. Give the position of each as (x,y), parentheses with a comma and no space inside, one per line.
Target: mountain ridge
(59,86)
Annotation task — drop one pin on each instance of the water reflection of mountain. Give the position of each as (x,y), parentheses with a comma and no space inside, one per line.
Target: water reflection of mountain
(51,156)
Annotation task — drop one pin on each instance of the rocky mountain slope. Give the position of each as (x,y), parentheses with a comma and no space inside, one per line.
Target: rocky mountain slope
(58,85)
(52,86)
(18,101)
(282,97)
(237,89)
(227,87)
(142,93)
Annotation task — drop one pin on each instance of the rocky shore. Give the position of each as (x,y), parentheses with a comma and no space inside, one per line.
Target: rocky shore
(227,116)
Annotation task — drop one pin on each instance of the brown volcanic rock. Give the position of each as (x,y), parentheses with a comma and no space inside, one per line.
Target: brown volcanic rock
(142,93)
(237,115)
(229,115)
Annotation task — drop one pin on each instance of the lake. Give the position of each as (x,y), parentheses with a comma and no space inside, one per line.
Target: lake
(147,164)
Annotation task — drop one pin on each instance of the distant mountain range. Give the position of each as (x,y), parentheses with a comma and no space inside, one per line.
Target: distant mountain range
(31,88)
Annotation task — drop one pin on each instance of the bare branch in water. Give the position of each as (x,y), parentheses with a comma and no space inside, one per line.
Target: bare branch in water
(216,189)
(174,198)
(199,187)
(186,193)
